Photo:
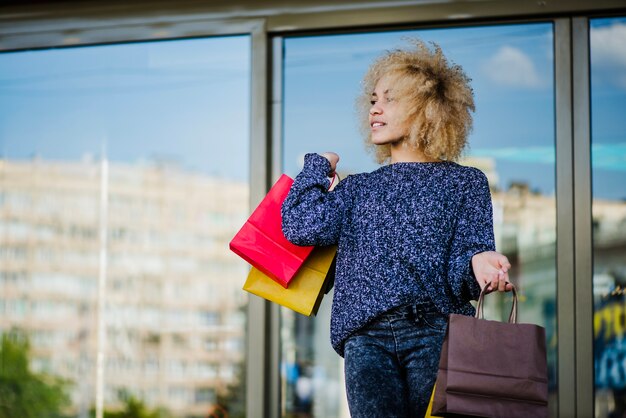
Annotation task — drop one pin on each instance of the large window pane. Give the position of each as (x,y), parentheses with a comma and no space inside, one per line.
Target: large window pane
(123,175)
(513,142)
(608,152)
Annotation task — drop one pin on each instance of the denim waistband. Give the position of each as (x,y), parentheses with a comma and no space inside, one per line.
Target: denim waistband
(410,310)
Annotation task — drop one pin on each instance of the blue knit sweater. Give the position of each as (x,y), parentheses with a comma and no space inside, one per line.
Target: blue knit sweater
(405,232)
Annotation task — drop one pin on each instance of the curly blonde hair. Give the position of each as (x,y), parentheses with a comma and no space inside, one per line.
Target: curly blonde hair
(436,94)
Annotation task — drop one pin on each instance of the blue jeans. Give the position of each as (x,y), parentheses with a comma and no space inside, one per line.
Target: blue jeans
(391,364)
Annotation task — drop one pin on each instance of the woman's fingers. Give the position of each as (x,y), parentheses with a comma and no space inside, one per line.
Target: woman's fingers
(333,159)
(499,282)
(503,262)
(492,271)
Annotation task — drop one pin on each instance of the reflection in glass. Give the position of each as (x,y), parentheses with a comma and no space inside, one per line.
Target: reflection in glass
(121,182)
(513,143)
(608,152)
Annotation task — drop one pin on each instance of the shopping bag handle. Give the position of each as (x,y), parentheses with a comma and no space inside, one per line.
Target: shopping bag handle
(332,181)
(480,314)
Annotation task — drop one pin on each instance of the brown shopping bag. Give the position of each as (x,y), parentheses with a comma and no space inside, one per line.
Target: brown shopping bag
(492,368)
(306,289)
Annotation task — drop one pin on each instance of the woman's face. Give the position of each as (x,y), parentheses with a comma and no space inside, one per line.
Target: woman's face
(387,114)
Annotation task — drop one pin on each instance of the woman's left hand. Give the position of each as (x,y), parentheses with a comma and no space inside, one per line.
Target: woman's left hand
(491,269)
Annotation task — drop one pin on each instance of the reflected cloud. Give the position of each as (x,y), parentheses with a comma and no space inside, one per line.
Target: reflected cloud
(604,156)
(608,52)
(512,67)
(609,156)
(519,154)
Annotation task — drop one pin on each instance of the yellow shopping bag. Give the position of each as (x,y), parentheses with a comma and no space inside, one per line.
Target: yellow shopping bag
(306,289)
(430,406)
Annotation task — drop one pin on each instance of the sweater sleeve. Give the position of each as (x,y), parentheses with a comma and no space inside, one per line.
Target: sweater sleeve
(474,234)
(312,215)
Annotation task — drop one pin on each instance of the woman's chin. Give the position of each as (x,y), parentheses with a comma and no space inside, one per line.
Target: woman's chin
(384,141)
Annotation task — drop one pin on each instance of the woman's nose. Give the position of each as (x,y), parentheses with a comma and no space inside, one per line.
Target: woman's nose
(375,109)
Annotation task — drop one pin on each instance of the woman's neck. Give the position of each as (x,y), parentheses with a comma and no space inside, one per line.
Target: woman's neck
(403,153)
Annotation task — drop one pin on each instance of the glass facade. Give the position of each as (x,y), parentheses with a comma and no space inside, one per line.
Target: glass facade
(123,175)
(513,143)
(125,171)
(608,165)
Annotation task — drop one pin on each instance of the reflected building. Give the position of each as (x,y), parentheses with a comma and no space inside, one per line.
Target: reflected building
(173,310)
(609,318)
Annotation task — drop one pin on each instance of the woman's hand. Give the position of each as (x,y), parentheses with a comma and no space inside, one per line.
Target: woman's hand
(333,159)
(492,270)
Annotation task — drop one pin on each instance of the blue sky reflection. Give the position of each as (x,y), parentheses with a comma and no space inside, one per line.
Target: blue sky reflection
(512,71)
(183,102)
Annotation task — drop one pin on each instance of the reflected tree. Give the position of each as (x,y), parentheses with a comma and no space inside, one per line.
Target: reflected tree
(232,402)
(23,393)
(135,408)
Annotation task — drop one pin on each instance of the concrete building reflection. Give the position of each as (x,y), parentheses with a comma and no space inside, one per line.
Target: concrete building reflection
(174,311)
(609,319)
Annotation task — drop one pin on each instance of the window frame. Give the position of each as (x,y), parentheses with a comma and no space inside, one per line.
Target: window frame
(44,27)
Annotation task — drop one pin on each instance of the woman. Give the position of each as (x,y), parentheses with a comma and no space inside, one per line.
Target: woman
(415,237)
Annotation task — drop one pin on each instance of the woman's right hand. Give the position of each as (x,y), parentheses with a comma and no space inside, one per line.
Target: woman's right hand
(491,270)
(333,159)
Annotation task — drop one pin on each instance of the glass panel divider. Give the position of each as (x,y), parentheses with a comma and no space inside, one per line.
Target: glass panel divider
(565,219)
(262,353)
(582,217)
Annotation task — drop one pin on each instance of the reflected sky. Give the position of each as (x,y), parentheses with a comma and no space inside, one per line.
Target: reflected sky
(183,102)
(511,68)
(512,74)
(186,102)
(608,105)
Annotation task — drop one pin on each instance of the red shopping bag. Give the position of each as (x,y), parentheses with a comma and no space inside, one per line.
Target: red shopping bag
(261,241)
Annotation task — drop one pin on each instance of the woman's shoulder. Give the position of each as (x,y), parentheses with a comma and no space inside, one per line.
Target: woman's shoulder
(355,184)
(360,177)
(467,172)
(350,181)
(457,178)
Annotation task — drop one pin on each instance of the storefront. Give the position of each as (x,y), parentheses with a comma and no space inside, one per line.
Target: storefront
(136,137)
